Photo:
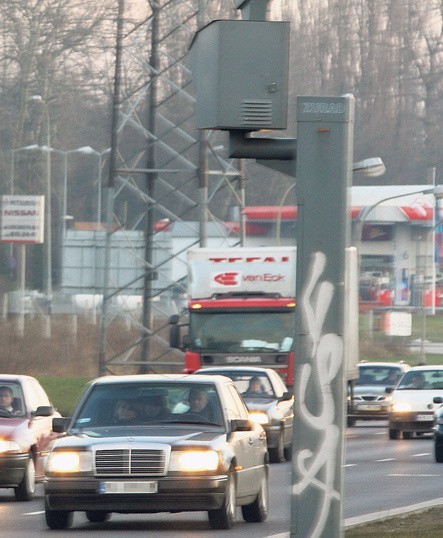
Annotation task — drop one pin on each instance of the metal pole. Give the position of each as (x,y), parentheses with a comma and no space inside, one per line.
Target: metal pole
(116,104)
(48,211)
(151,177)
(242,197)
(11,191)
(65,191)
(203,186)
(202,170)
(99,192)
(323,172)
(433,271)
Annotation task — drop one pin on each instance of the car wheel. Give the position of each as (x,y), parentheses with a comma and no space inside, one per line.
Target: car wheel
(350,422)
(438,450)
(257,511)
(407,435)
(288,453)
(394,434)
(97,516)
(277,454)
(224,517)
(26,489)
(58,519)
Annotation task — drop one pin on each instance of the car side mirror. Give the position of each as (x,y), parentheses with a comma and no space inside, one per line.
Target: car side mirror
(60,424)
(389,390)
(241,425)
(43,411)
(437,399)
(286,396)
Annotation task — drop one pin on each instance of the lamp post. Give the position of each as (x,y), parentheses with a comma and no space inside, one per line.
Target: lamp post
(39,99)
(32,147)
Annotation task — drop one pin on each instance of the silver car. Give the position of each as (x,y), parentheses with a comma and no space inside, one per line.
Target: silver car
(158,443)
(368,399)
(269,403)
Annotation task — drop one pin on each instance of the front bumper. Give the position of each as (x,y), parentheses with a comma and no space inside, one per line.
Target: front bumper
(12,469)
(369,410)
(173,495)
(272,435)
(412,422)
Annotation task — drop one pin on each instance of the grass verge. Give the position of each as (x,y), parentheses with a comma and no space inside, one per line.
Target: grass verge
(64,392)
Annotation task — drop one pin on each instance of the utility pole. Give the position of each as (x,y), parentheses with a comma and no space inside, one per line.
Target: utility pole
(116,104)
(151,177)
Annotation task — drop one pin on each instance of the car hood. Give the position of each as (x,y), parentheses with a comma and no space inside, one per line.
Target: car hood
(420,400)
(370,389)
(9,425)
(260,404)
(159,434)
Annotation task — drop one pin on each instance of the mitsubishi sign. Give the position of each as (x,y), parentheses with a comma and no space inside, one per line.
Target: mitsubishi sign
(22,219)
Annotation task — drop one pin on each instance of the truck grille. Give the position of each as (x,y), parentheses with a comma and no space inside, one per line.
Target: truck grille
(130,461)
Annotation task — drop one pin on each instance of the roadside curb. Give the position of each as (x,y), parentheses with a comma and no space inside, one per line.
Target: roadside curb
(379,516)
(385,514)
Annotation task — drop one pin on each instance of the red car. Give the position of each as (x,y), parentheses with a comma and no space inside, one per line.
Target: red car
(25,433)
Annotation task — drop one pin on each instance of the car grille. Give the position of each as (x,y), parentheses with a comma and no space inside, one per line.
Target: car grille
(370,398)
(130,462)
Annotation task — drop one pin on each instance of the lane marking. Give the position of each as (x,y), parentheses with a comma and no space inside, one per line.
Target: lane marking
(420,455)
(385,459)
(411,474)
(34,513)
(350,465)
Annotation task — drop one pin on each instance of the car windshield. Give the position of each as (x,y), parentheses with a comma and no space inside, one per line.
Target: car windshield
(378,375)
(250,385)
(240,332)
(422,380)
(138,404)
(11,400)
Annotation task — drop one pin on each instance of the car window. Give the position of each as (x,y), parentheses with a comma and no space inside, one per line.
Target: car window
(17,403)
(146,403)
(246,381)
(422,380)
(379,375)
(236,407)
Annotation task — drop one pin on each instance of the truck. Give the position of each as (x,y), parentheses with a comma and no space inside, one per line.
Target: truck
(241,309)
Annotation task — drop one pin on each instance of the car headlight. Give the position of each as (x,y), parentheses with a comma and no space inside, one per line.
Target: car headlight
(69,462)
(401,407)
(194,460)
(8,446)
(259,417)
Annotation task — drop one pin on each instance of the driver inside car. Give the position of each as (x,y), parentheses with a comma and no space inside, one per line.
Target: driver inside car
(6,399)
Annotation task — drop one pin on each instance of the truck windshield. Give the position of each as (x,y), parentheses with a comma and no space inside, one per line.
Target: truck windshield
(242,331)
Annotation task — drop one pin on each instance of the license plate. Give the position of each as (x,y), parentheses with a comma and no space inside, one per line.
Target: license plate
(129,487)
(423,418)
(369,407)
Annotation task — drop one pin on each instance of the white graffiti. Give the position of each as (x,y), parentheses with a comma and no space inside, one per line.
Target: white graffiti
(326,359)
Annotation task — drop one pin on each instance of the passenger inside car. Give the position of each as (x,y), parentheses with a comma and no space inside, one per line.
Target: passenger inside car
(127,411)
(154,407)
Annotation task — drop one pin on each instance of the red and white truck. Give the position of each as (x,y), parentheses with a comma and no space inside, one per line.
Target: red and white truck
(241,306)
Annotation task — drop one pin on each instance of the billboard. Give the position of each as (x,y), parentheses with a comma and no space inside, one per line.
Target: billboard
(22,219)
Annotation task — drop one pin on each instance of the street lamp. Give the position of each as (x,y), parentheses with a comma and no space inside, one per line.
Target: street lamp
(85,150)
(39,99)
(372,167)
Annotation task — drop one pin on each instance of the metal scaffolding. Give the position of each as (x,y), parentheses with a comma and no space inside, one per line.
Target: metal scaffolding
(162,170)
